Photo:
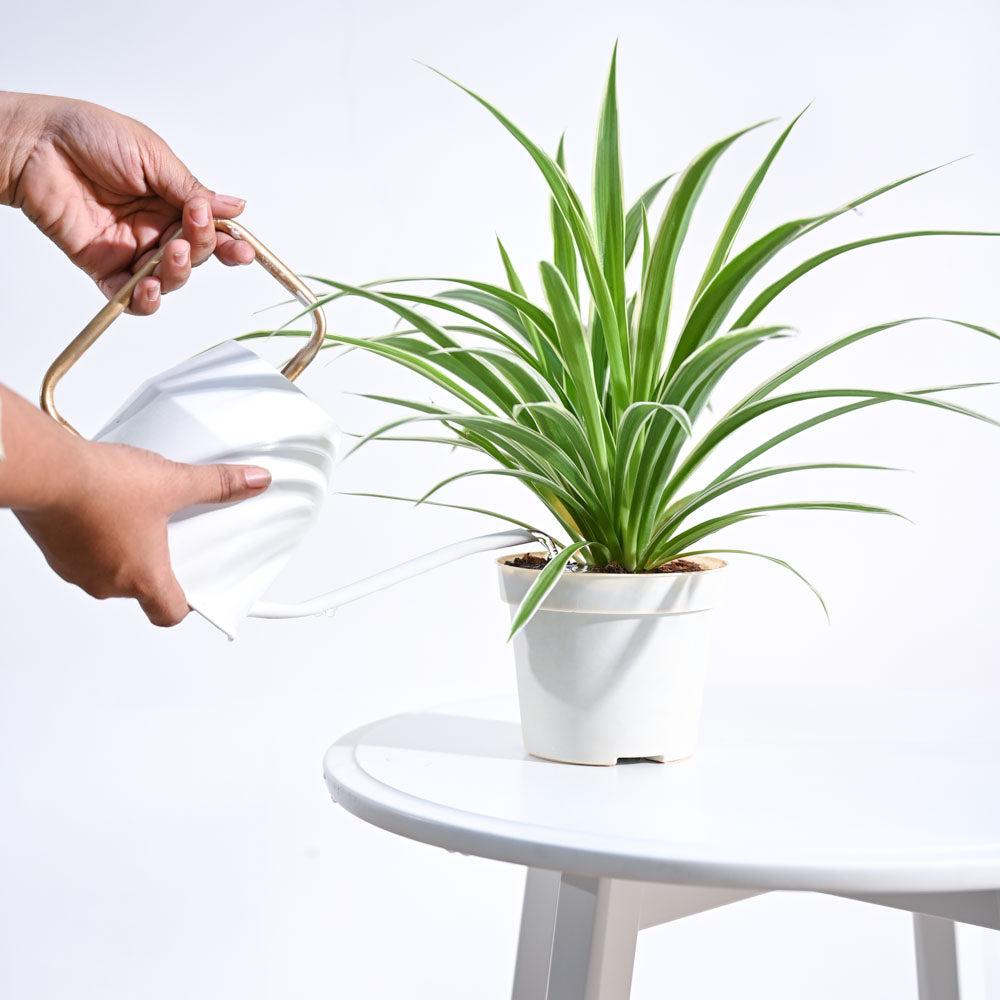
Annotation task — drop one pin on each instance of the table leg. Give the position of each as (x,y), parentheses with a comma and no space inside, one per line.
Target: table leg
(593,942)
(937,957)
(534,944)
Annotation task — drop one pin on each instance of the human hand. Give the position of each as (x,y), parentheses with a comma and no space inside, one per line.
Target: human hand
(108,190)
(106,530)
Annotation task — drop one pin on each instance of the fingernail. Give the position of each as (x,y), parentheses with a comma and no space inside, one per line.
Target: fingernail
(256,478)
(229,200)
(152,292)
(199,212)
(180,257)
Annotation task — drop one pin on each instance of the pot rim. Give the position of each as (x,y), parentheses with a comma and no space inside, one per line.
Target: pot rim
(719,564)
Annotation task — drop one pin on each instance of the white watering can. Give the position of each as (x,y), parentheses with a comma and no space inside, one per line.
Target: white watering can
(229,405)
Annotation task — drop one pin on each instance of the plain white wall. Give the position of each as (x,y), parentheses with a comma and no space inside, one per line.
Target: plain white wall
(165,831)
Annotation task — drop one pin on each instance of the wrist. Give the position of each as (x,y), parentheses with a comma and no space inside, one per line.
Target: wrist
(73,477)
(46,467)
(24,119)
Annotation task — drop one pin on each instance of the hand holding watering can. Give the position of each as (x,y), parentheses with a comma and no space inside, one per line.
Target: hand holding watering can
(105,190)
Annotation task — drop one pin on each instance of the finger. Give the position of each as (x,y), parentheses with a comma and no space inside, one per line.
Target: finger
(165,604)
(146,294)
(175,267)
(223,205)
(199,229)
(233,252)
(146,297)
(220,483)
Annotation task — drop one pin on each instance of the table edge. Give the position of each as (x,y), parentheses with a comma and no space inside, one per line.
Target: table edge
(398,812)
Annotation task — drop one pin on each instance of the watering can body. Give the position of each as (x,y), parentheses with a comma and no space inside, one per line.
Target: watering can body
(228,405)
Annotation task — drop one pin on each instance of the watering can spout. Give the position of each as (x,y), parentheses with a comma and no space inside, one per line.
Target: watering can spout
(328,602)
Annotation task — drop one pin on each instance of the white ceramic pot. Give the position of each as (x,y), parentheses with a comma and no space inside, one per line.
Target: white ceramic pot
(613,665)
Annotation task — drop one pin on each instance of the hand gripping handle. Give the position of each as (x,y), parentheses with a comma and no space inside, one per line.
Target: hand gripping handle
(85,339)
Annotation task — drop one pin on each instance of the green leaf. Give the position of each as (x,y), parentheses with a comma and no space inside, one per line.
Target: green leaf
(414,362)
(636,213)
(520,474)
(683,509)
(738,418)
(574,502)
(466,363)
(717,300)
(574,345)
(569,204)
(657,287)
(542,355)
(681,541)
(505,312)
(548,577)
(720,295)
(821,418)
(609,209)
(563,248)
(768,386)
(526,386)
(772,291)
(472,370)
(761,555)
(629,453)
(730,231)
(450,506)
(436,302)
(565,428)
(392,425)
(539,453)
(410,404)
(701,371)
(645,248)
(690,388)
(493,297)
(452,443)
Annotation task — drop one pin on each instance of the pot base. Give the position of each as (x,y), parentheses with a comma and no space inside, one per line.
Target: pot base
(652,758)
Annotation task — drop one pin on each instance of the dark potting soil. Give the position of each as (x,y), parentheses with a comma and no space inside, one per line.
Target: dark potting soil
(674,566)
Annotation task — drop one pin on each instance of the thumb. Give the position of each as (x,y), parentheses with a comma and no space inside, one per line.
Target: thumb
(222,483)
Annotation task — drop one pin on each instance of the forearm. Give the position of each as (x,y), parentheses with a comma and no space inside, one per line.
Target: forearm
(42,459)
(23,118)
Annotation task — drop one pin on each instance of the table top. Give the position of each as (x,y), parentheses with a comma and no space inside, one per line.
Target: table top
(842,789)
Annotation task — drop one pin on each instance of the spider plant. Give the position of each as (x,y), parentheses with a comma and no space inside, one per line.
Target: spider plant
(590,394)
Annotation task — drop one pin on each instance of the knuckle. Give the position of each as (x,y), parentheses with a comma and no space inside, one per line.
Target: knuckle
(99,590)
(227,482)
(145,590)
(165,617)
(128,584)
(161,605)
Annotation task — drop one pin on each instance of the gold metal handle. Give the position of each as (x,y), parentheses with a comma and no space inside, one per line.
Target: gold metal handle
(117,305)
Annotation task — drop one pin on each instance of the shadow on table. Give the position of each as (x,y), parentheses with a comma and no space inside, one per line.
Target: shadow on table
(434,732)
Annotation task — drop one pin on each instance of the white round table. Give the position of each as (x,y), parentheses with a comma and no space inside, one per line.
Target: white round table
(883,796)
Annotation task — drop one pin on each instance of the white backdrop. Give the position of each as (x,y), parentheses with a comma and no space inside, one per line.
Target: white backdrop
(165,830)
